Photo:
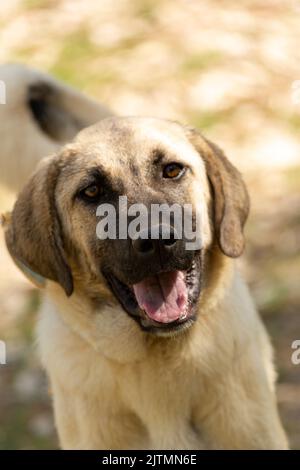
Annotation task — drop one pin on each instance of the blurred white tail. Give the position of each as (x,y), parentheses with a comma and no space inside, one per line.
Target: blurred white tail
(39,115)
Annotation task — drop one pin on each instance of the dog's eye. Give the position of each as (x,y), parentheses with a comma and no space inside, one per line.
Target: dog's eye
(173,170)
(92,192)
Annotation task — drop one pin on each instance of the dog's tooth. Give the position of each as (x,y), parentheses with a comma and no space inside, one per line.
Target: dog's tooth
(183,316)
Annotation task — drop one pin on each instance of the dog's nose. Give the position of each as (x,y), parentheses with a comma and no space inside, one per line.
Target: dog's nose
(160,237)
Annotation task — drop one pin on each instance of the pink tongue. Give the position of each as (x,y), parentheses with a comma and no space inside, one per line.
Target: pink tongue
(163,297)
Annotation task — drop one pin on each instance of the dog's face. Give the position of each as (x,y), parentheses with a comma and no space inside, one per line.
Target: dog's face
(155,278)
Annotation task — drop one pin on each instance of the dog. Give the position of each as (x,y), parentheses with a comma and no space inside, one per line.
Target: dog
(40,114)
(147,345)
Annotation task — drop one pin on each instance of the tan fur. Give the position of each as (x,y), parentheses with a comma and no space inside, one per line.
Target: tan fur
(23,142)
(114,385)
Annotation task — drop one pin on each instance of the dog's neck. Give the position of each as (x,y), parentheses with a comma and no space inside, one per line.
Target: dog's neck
(109,330)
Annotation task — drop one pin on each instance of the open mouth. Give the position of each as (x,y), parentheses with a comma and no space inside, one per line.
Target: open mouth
(162,303)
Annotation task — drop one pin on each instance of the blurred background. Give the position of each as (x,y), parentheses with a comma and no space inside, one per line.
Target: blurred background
(227,67)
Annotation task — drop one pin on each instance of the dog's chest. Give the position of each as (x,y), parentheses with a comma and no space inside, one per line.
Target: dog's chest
(147,403)
(162,398)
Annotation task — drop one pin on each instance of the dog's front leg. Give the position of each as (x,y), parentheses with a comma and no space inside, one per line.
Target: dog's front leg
(240,412)
(95,422)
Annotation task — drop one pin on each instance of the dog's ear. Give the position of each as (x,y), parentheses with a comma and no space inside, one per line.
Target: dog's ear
(230,196)
(33,231)
(60,111)
(47,107)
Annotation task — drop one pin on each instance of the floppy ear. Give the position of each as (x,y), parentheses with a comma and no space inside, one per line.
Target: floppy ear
(33,233)
(231,200)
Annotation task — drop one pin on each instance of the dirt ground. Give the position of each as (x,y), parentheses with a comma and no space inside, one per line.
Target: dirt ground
(227,67)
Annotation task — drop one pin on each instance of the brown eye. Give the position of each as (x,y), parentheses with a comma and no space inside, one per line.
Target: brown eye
(91,192)
(173,170)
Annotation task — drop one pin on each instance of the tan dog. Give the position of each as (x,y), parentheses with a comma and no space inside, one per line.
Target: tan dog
(147,345)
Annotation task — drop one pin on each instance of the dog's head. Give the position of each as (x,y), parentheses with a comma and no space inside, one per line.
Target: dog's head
(149,271)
